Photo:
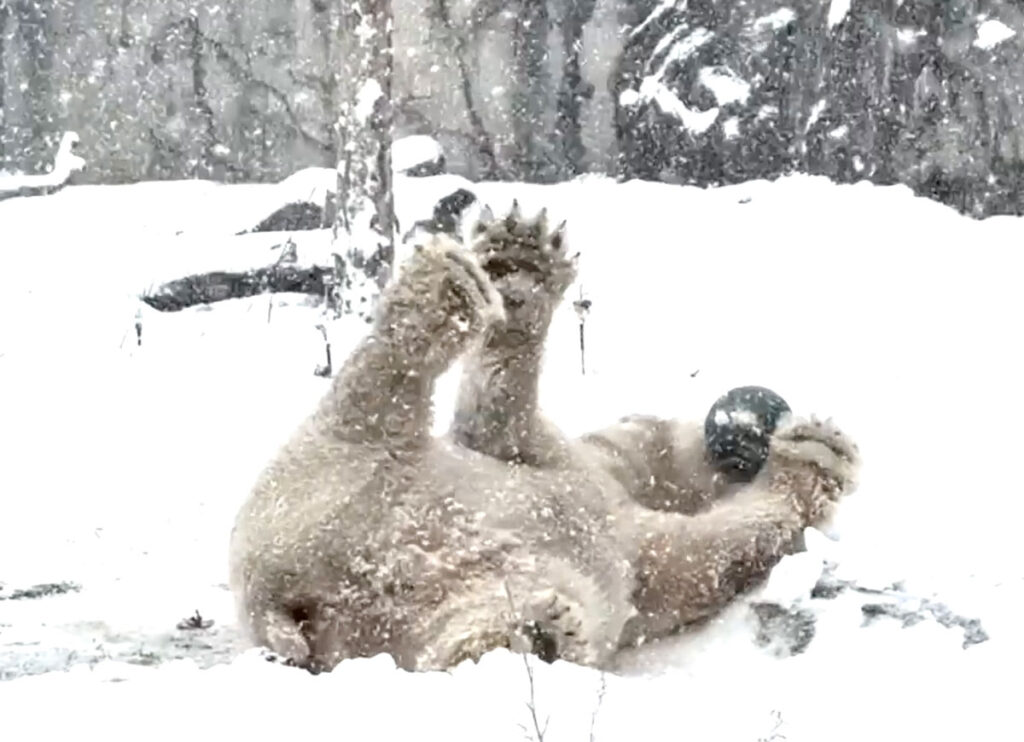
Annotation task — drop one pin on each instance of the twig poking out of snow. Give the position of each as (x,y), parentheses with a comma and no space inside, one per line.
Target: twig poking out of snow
(582,307)
(327,370)
(774,734)
(597,708)
(65,164)
(539,729)
(194,622)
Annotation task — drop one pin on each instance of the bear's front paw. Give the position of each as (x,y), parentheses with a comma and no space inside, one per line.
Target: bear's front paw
(441,297)
(529,265)
(813,461)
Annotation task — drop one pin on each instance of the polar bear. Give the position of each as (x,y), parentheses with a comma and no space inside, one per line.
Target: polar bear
(366,534)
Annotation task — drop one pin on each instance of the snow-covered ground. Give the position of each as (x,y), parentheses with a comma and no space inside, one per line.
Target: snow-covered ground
(121,467)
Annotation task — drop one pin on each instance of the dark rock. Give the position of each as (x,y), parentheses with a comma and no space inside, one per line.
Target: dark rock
(44,590)
(293,217)
(894,602)
(426,169)
(215,286)
(786,631)
(447,215)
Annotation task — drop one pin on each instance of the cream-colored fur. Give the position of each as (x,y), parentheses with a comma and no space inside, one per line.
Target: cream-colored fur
(368,535)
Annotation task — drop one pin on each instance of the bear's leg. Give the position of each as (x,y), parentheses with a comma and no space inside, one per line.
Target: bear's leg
(550,622)
(440,301)
(497,406)
(278,629)
(689,567)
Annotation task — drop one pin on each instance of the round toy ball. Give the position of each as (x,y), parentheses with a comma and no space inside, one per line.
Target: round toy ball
(738,430)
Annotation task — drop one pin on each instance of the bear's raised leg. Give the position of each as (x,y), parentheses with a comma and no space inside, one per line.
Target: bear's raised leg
(689,567)
(426,317)
(497,409)
(295,528)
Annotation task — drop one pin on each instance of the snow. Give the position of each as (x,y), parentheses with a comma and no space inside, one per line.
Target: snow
(906,38)
(65,163)
(696,122)
(408,152)
(124,466)
(775,20)
(725,85)
(680,49)
(837,11)
(816,111)
(629,97)
(367,98)
(653,87)
(663,7)
(991,33)
(731,127)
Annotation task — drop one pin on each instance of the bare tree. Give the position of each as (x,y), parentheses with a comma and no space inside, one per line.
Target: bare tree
(364,224)
(459,41)
(5,13)
(34,30)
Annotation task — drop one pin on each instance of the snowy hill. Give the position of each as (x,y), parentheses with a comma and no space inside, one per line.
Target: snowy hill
(123,466)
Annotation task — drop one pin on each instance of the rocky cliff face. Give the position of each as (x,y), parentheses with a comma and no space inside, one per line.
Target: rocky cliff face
(924,92)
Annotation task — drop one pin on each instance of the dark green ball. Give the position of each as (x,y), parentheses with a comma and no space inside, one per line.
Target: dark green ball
(738,430)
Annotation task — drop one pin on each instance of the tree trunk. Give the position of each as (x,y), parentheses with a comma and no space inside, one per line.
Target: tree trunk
(364,224)
(574,89)
(35,31)
(203,167)
(4,14)
(530,87)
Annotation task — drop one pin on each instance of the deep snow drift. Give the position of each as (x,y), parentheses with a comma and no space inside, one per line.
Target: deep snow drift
(122,466)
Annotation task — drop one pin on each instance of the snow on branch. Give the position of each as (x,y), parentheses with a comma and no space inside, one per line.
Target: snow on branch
(658,12)
(65,164)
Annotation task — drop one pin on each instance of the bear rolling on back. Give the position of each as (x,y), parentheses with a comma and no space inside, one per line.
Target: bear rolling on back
(366,534)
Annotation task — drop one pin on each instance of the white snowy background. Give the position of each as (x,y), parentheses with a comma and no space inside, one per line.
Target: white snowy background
(121,468)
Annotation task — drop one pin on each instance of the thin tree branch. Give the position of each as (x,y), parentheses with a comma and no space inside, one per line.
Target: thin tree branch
(244,72)
(476,122)
(539,729)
